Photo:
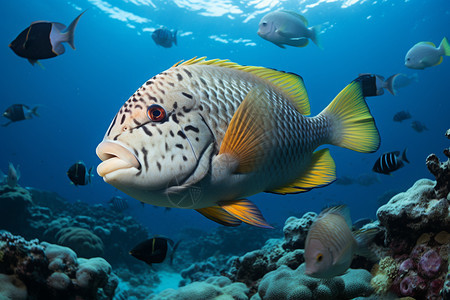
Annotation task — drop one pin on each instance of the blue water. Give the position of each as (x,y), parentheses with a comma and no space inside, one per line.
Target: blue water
(80,91)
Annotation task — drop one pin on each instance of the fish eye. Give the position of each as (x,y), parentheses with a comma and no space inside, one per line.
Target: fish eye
(408,59)
(264,23)
(319,257)
(156,113)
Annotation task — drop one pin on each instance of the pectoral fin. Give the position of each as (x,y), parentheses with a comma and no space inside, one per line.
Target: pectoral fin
(439,62)
(245,211)
(219,215)
(322,171)
(247,135)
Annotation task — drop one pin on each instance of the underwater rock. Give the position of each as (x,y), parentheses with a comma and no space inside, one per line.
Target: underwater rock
(200,271)
(407,215)
(441,171)
(48,199)
(216,287)
(14,207)
(225,241)
(445,292)
(285,283)
(295,231)
(82,241)
(12,288)
(54,272)
(253,265)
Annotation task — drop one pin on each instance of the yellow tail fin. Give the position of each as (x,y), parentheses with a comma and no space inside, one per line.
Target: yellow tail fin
(353,125)
(445,46)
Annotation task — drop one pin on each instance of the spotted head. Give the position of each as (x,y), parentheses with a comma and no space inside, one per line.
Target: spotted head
(157,140)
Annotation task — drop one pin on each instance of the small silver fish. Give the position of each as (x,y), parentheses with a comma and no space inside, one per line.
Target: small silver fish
(425,54)
(287,28)
(206,134)
(330,244)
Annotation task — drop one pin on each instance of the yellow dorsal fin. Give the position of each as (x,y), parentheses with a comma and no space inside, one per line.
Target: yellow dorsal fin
(297,15)
(245,211)
(426,43)
(290,84)
(322,171)
(219,215)
(247,135)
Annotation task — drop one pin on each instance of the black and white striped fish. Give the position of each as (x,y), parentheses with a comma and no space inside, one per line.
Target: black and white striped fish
(118,203)
(165,37)
(389,162)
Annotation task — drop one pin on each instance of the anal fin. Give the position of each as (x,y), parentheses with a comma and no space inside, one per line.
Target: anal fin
(219,215)
(321,172)
(245,211)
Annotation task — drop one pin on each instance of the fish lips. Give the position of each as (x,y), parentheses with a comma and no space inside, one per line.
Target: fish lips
(116,157)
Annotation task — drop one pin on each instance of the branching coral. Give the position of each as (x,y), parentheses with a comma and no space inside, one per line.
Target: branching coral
(384,273)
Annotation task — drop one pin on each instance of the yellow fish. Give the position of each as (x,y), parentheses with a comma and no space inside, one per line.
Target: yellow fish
(206,134)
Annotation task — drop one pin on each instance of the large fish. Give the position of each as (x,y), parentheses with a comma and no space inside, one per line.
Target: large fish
(206,134)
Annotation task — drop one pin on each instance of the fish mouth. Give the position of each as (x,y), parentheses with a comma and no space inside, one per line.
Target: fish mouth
(115,157)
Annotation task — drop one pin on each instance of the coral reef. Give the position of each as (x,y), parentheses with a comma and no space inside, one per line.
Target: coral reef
(216,287)
(33,270)
(421,273)
(32,213)
(285,283)
(422,208)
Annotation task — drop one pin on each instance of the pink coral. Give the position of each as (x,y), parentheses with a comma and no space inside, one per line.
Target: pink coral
(430,264)
(412,286)
(435,288)
(406,265)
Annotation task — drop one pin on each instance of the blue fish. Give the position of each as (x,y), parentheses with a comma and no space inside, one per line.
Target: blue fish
(165,37)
